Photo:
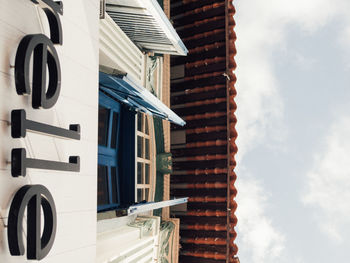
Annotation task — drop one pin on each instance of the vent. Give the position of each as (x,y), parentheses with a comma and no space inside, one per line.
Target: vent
(136,242)
(145,23)
(117,51)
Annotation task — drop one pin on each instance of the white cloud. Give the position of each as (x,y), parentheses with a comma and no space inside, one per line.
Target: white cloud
(329,181)
(259,240)
(261,30)
(304,62)
(262,27)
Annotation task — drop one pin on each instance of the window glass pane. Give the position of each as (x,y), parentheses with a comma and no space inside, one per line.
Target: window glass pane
(147,149)
(140,173)
(140,147)
(146,126)
(139,122)
(114,130)
(146,194)
(103,118)
(139,195)
(115,186)
(147,173)
(102,194)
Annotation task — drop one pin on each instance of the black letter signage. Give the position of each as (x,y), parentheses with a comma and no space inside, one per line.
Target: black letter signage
(44,54)
(37,53)
(32,197)
(20,125)
(20,163)
(52,9)
(39,50)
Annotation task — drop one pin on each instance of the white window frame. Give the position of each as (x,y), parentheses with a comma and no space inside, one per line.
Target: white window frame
(151,161)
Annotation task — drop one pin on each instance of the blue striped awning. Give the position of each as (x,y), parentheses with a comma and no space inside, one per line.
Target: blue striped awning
(126,91)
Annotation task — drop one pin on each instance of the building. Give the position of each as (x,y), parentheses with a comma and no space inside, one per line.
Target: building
(82,140)
(202,93)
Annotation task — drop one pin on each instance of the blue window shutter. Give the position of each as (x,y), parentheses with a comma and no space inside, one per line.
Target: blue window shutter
(108,154)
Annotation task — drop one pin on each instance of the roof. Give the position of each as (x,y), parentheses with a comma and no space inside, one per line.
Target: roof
(202,93)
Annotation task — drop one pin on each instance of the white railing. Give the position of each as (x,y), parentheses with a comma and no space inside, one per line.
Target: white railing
(145,207)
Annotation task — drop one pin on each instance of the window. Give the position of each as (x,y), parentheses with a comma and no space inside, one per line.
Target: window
(125,156)
(108,195)
(144,159)
(126,152)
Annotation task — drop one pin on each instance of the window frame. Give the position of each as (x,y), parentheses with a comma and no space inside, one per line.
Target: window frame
(151,161)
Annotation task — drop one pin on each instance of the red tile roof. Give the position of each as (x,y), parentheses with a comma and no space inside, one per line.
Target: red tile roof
(207,115)
(204,97)
(201,254)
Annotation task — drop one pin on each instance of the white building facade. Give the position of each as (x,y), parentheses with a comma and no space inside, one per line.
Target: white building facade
(49,194)
(72,192)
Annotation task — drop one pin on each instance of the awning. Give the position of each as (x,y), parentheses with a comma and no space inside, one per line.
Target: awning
(145,23)
(126,91)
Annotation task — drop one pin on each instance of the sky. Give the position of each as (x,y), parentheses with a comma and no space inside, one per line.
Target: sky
(293,162)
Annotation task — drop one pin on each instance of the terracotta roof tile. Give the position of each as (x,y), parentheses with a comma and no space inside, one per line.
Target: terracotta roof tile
(207,115)
(202,76)
(207,157)
(205,241)
(205,8)
(204,89)
(207,171)
(207,70)
(207,227)
(207,34)
(204,21)
(206,199)
(204,102)
(217,213)
(208,47)
(206,129)
(201,185)
(207,143)
(204,72)
(201,254)
(205,62)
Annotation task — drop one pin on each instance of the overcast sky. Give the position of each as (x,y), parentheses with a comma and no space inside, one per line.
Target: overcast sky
(293,70)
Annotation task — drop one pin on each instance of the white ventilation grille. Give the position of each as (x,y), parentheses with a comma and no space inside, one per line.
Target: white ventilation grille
(137,242)
(140,28)
(117,51)
(146,25)
(143,251)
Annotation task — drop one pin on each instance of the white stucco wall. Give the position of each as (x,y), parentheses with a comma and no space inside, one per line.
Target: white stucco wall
(74,193)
